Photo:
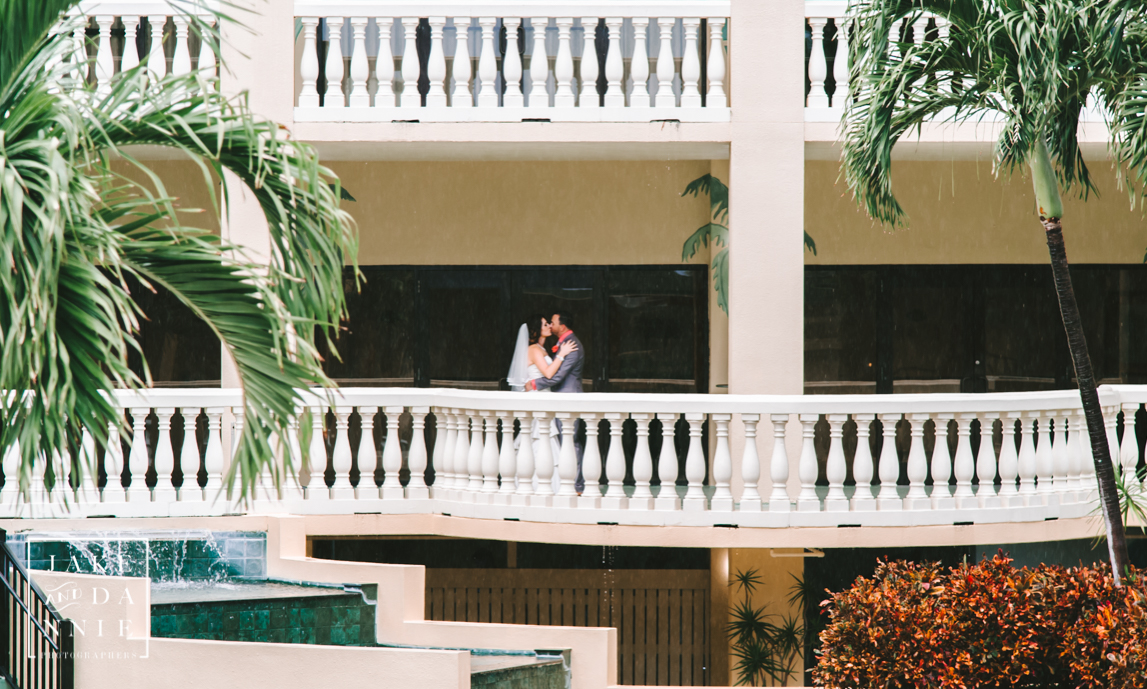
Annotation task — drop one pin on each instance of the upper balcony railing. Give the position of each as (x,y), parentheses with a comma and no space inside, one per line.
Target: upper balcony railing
(632,61)
(881,460)
(826,56)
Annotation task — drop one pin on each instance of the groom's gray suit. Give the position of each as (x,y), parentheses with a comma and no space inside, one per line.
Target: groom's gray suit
(568,379)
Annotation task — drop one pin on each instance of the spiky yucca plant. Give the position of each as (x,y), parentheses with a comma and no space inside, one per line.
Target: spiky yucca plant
(73,231)
(1032,64)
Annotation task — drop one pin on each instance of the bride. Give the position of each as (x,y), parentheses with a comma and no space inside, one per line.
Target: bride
(531,362)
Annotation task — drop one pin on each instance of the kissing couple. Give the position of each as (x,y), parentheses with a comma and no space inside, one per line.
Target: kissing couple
(532,369)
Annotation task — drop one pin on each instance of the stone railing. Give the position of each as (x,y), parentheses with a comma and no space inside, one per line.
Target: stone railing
(524,60)
(826,53)
(648,459)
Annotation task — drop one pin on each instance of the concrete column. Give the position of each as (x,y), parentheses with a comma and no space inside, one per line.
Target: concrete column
(259,59)
(766,207)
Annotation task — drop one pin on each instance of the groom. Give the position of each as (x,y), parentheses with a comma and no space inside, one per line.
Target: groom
(567,379)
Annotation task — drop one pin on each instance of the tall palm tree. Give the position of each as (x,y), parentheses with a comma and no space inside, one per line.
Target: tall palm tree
(1032,65)
(73,233)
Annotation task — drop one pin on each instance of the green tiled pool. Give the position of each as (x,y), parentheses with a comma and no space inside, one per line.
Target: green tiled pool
(267,611)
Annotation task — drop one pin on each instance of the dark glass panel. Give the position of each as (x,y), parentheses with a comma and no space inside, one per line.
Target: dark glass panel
(376,344)
(930,338)
(840,330)
(179,347)
(467,332)
(1024,347)
(654,316)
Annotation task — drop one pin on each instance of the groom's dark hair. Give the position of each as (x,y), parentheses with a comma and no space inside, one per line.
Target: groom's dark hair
(565,318)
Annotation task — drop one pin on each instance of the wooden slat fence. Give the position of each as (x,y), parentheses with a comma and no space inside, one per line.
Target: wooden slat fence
(661,616)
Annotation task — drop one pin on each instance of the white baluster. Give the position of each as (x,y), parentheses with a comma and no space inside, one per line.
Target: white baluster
(384,64)
(237,414)
(750,465)
(338,89)
(1074,454)
(410,95)
(642,463)
(862,499)
(666,69)
(667,498)
(889,466)
(507,466)
(917,466)
(207,59)
(309,68)
(156,61)
(131,57)
(105,65)
(445,473)
(137,462)
(113,466)
(525,459)
(1061,456)
(641,96)
(474,459)
(213,454)
(614,68)
(691,64)
(1009,465)
(1129,447)
(715,66)
(512,65)
(359,66)
(293,479)
(779,466)
(341,459)
(461,455)
(436,67)
(836,468)
(1044,460)
(564,84)
(544,464)
(722,466)
(964,465)
(817,69)
(614,497)
(591,466)
(317,460)
(181,57)
(567,463)
(462,97)
(416,456)
(368,455)
(189,457)
(79,56)
(1110,423)
(490,457)
(539,65)
(589,67)
(840,63)
(942,465)
(918,30)
(392,455)
(986,463)
(808,501)
(484,85)
(164,456)
(11,466)
(87,492)
(1027,458)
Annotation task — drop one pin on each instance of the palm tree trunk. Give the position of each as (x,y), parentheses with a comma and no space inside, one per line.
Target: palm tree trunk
(1100,452)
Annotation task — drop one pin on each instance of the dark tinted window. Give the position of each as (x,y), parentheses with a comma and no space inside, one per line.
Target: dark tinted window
(384,304)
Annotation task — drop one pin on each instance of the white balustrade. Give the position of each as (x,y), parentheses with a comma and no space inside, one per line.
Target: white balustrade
(696,91)
(335,67)
(482,471)
(1129,446)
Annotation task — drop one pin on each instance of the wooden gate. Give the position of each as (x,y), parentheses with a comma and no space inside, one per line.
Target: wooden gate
(661,615)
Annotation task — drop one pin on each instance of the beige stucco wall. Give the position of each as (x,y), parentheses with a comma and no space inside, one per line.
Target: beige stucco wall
(184,183)
(523,213)
(960,213)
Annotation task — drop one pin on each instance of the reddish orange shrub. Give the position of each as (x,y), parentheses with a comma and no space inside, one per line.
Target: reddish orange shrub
(985,625)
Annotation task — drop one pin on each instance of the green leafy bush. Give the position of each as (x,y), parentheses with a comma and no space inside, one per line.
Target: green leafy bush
(985,625)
